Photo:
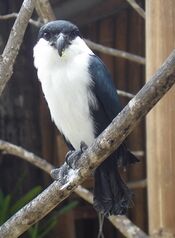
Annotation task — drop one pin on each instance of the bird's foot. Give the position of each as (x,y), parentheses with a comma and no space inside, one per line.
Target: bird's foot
(60,174)
(73,155)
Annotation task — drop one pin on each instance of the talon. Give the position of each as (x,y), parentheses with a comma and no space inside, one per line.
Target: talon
(60,174)
(68,156)
(83,146)
(72,156)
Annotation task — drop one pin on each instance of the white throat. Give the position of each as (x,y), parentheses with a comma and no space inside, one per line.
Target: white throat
(66,85)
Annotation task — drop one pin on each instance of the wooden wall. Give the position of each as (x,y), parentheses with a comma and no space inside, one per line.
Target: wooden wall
(160,121)
(124,30)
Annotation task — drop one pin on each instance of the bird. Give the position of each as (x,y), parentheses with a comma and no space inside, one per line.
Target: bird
(83,101)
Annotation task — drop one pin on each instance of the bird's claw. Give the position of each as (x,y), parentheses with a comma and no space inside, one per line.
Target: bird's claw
(59,174)
(73,155)
(83,146)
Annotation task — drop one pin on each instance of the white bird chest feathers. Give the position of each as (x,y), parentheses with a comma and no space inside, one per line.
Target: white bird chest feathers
(66,83)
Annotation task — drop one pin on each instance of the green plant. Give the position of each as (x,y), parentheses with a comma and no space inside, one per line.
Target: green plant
(41,229)
(7,209)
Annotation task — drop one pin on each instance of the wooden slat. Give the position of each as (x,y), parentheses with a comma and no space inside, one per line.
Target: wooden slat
(135,80)
(106,37)
(120,69)
(160,40)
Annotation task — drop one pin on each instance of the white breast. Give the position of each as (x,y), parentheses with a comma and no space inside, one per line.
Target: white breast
(65,82)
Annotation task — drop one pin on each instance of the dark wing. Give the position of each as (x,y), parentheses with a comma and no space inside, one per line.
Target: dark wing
(105,92)
(108,105)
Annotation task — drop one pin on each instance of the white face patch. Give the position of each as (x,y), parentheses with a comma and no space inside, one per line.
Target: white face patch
(66,83)
(44,54)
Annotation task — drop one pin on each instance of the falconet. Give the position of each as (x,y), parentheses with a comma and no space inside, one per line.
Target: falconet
(83,101)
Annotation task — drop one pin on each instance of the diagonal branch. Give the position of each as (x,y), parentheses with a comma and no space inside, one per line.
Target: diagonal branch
(125,94)
(91,44)
(44,10)
(122,223)
(105,144)
(14,42)
(137,8)
(9,148)
(115,52)
(15,15)
(48,15)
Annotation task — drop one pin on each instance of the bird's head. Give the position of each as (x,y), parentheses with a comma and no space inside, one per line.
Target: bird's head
(59,34)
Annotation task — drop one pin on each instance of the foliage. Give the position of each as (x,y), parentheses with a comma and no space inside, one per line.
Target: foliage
(39,230)
(6,207)
(42,228)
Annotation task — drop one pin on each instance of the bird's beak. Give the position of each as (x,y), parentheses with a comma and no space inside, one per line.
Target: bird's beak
(61,43)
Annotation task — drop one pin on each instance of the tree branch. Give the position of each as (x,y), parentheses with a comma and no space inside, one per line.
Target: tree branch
(14,42)
(115,52)
(137,184)
(9,148)
(15,15)
(49,16)
(137,8)
(139,153)
(120,223)
(44,10)
(91,44)
(125,94)
(102,147)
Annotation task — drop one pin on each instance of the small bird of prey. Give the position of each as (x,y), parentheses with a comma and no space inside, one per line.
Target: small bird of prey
(83,101)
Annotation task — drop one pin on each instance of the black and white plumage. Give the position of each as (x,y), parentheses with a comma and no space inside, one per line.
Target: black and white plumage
(83,101)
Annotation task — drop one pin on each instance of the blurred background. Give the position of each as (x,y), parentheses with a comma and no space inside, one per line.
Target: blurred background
(25,119)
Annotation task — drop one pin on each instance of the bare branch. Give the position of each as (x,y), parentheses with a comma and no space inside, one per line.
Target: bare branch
(125,94)
(92,45)
(115,52)
(107,50)
(12,149)
(137,8)
(138,153)
(105,144)
(126,227)
(15,15)
(122,223)
(138,184)
(119,223)
(14,42)
(44,10)
(9,148)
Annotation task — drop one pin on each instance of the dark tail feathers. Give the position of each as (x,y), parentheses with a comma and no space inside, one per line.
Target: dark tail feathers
(111,195)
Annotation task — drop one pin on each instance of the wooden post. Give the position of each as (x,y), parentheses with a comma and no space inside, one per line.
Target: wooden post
(160,40)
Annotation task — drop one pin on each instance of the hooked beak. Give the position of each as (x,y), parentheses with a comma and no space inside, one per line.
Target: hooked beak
(61,43)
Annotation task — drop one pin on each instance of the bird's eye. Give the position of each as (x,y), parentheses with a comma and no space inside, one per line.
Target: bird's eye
(46,35)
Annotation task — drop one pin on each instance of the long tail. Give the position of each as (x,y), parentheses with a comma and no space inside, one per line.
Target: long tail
(111,195)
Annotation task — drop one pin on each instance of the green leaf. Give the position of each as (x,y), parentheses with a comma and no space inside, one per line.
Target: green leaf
(4,208)
(1,197)
(33,231)
(25,199)
(53,220)
(48,228)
